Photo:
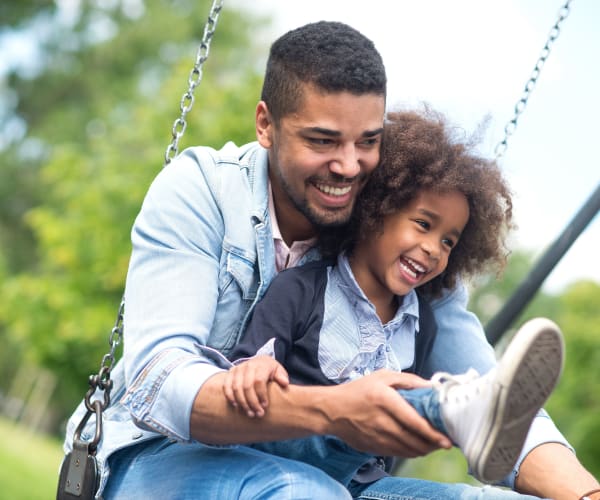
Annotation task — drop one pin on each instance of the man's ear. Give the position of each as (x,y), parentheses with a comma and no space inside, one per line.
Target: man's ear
(264,125)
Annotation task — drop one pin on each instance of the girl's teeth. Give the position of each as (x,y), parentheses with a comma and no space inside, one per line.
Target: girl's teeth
(408,270)
(416,266)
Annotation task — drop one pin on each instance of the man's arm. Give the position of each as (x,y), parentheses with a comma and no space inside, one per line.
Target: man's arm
(367,413)
(172,292)
(551,470)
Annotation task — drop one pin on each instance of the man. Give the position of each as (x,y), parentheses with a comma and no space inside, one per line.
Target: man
(214,229)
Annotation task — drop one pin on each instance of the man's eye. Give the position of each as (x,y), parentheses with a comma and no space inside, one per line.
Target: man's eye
(372,141)
(318,141)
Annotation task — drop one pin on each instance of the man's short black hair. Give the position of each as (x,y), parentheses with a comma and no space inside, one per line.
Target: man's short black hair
(331,56)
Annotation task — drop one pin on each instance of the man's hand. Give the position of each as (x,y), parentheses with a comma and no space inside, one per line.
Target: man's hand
(367,413)
(245,385)
(371,416)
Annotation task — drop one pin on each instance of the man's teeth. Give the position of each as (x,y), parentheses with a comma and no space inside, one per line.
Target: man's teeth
(334,191)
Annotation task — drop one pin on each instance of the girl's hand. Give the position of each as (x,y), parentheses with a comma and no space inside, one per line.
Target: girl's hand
(245,385)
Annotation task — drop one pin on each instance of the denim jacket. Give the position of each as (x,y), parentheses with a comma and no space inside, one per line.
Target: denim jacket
(203,255)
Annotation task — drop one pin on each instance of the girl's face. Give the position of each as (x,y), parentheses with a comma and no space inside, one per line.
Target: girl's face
(414,247)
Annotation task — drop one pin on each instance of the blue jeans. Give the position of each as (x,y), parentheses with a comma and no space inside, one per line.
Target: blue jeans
(309,468)
(161,469)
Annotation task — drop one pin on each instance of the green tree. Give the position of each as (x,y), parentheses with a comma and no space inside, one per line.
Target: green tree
(490,292)
(104,116)
(575,405)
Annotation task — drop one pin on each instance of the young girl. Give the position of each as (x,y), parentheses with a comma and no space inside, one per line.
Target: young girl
(433,212)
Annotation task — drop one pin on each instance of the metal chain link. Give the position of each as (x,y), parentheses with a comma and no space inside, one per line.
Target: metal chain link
(511,126)
(102,381)
(187,100)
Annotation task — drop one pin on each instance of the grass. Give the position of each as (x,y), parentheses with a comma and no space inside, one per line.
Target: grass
(29,463)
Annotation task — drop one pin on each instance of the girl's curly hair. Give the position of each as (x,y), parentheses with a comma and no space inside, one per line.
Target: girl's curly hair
(420,151)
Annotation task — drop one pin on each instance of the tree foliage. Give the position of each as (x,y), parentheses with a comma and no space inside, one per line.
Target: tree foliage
(98,118)
(575,405)
(490,292)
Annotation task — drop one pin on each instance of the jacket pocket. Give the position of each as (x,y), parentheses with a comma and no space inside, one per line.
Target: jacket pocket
(238,288)
(244,273)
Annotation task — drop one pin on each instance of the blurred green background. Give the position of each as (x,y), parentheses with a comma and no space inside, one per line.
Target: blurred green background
(85,120)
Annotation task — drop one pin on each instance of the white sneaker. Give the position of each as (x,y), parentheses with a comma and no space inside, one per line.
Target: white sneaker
(489,417)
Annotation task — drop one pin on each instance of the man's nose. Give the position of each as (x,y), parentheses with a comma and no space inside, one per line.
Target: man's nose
(345,163)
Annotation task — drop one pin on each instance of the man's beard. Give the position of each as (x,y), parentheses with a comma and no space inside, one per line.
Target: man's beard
(320,219)
(330,218)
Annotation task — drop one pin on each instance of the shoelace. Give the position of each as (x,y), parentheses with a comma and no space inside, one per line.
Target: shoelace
(443,381)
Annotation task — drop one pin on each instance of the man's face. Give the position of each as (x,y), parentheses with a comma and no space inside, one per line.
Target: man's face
(320,157)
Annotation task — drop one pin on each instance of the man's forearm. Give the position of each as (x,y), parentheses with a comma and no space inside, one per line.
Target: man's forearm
(368,414)
(293,412)
(553,471)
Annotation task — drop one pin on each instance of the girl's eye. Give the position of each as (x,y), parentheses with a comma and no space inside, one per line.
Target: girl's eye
(448,242)
(424,224)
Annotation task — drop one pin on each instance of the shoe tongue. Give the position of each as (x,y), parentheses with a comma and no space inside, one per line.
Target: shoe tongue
(448,384)
(463,378)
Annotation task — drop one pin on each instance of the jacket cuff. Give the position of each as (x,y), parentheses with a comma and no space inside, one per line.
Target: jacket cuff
(161,398)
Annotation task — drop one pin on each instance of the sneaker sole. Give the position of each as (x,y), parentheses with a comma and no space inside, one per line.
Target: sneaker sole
(530,368)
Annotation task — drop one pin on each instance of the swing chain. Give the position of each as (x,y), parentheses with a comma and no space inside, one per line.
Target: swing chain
(102,378)
(102,381)
(79,473)
(511,126)
(187,100)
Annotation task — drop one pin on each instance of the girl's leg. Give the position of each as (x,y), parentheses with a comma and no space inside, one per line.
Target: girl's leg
(400,488)
(426,401)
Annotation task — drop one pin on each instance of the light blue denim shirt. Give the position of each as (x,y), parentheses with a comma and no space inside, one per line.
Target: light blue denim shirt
(203,255)
(353,341)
